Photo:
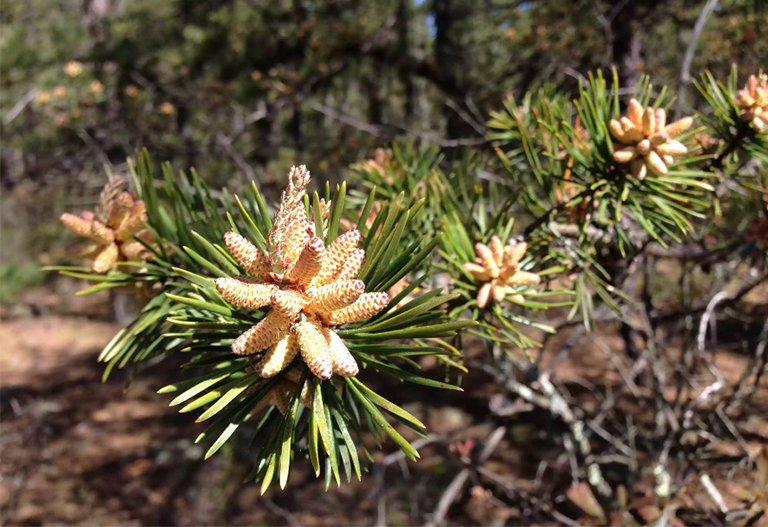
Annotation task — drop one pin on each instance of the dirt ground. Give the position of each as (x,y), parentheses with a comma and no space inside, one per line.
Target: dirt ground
(76,451)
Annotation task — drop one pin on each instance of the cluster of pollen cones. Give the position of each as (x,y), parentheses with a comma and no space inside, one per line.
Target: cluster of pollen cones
(498,266)
(646,141)
(310,288)
(112,236)
(753,102)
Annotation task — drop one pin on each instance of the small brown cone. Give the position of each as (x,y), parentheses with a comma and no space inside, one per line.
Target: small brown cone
(366,306)
(314,348)
(307,394)
(281,396)
(134,251)
(344,363)
(294,374)
(268,331)
(245,291)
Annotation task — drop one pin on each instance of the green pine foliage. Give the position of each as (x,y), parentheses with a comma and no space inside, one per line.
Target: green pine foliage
(552,183)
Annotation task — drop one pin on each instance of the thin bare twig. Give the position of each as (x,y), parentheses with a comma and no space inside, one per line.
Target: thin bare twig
(701,21)
(20,105)
(390,130)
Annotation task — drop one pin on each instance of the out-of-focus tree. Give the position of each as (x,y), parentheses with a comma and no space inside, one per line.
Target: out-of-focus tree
(242,87)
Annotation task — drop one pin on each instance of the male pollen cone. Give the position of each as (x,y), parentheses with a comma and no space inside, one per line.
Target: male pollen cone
(645,140)
(498,268)
(309,287)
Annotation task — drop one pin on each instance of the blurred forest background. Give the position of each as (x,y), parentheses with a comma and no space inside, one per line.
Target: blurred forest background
(240,90)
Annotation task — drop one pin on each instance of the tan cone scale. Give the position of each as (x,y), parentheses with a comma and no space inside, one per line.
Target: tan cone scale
(112,236)
(309,287)
(498,267)
(646,141)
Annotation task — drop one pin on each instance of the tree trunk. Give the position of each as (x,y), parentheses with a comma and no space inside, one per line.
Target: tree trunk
(451,55)
(404,57)
(625,48)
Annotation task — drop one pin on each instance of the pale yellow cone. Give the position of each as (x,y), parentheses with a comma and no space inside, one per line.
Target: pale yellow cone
(335,256)
(617,131)
(314,348)
(287,302)
(497,248)
(344,363)
(278,357)
(514,253)
(649,122)
(245,291)
(671,148)
(477,271)
(366,306)
(119,210)
(334,296)
(352,266)
(309,263)
(107,258)
(77,224)
(483,295)
(524,278)
(293,243)
(635,112)
(486,256)
(625,155)
(102,234)
(638,168)
(246,254)
(678,127)
(268,331)
(655,163)
(498,291)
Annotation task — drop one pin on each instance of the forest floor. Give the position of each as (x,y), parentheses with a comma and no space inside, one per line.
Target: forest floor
(76,451)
